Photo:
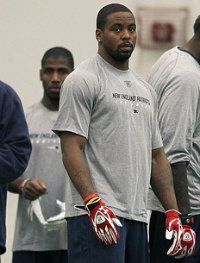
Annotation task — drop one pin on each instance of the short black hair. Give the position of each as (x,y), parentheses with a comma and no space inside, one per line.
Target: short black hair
(56,52)
(107,10)
(197,26)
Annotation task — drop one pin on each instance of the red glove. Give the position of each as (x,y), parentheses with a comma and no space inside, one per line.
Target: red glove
(103,219)
(174,230)
(188,241)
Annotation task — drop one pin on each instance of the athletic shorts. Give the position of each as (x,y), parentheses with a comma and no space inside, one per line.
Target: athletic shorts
(159,245)
(84,247)
(51,256)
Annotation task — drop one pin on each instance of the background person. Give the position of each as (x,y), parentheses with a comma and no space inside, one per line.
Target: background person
(176,80)
(45,175)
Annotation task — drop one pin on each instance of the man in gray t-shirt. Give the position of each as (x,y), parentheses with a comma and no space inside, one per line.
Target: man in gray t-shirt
(45,175)
(176,80)
(111,147)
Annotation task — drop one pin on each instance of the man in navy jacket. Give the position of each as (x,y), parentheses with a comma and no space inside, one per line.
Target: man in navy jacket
(15,148)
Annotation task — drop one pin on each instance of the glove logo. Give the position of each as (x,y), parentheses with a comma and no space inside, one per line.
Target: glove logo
(187,237)
(100,219)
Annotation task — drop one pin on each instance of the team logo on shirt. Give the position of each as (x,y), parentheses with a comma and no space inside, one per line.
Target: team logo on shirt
(127,83)
(131,98)
(135,102)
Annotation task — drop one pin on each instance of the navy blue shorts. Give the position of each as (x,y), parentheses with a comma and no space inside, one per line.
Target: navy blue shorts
(84,247)
(51,256)
(159,245)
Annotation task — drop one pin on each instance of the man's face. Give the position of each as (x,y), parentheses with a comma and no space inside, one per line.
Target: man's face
(52,75)
(119,35)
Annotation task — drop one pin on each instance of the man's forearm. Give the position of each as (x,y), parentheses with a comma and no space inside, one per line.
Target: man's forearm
(162,180)
(79,174)
(179,171)
(15,186)
(75,163)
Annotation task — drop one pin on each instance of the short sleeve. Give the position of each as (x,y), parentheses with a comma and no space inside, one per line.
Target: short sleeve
(76,104)
(177,116)
(156,136)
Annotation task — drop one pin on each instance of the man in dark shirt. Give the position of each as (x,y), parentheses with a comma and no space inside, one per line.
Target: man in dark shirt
(15,148)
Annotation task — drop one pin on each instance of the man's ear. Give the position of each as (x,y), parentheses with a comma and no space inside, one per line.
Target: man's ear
(99,35)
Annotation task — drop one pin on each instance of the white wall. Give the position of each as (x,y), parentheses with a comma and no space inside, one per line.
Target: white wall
(29,28)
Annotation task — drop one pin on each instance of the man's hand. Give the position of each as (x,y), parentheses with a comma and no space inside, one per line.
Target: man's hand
(184,237)
(188,241)
(33,189)
(174,230)
(103,220)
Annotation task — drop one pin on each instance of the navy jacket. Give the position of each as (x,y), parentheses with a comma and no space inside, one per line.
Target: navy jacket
(15,148)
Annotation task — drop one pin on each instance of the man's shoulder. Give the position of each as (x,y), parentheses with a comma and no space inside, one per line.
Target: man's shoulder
(169,57)
(88,67)
(165,69)
(34,106)
(34,109)
(5,89)
(85,74)
(87,63)
(183,63)
(185,71)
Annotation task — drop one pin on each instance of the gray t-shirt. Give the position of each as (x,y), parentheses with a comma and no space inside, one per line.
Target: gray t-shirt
(116,111)
(176,80)
(45,164)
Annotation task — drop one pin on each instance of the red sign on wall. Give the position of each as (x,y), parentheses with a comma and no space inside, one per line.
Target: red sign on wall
(161,28)
(163,32)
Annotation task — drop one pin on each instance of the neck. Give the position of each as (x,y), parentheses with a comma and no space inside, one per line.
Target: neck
(121,65)
(52,105)
(193,47)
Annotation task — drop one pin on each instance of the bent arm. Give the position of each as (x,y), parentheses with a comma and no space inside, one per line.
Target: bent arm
(15,186)
(162,180)
(30,188)
(75,163)
(15,146)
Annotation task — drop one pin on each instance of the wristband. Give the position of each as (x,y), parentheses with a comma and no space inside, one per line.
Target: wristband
(90,198)
(187,219)
(23,183)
